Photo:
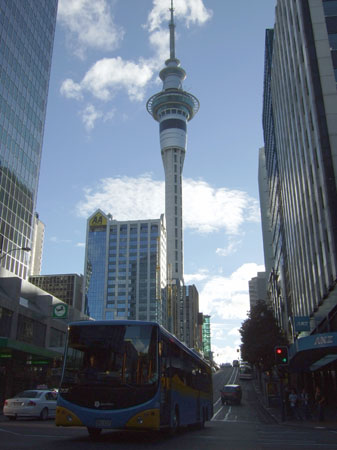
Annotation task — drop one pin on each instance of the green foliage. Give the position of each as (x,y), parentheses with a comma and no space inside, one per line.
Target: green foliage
(260,333)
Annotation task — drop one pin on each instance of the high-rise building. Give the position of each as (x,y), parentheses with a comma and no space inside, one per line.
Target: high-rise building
(300,129)
(26,44)
(187,313)
(125,269)
(206,337)
(257,289)
(173,108)
(67,287)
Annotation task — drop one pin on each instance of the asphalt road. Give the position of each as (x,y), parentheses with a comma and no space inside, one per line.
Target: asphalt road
(245,426)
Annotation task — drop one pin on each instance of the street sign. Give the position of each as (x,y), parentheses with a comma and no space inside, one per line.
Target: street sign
(302,323)
(60,311)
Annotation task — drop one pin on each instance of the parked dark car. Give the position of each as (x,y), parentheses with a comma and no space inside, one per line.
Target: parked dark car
(231,393)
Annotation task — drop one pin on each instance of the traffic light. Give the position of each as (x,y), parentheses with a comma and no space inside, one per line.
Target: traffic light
(281,355)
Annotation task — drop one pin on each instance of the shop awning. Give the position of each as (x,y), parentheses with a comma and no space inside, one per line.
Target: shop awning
(313,352)
(7,345)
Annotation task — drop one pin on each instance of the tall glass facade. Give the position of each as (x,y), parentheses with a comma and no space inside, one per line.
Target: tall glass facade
(26,42)
(277,289)
(300,130)
(125,269)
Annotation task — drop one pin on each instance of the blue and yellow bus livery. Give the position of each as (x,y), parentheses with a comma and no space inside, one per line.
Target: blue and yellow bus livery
(131,375)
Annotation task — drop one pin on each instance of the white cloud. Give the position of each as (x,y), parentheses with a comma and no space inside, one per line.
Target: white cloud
(59,241)
(108,76)
(206,209)
(224,354)
(228,297)
(209,209)
(195,277)
(110,115)
(231,248)
(192,11)
(89,116)
(80,244)
(234,332)
(125,198)
(89,24)
(70,89)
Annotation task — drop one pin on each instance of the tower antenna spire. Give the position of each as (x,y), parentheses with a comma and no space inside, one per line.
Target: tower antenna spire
(172,27)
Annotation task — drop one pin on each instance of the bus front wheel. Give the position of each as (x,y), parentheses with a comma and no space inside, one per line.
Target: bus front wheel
(94,432)
(203,419)
(175,422)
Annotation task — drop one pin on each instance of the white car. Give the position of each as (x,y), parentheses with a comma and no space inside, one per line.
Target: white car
(31,403)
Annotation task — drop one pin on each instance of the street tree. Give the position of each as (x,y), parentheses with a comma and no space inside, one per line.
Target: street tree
(260,334)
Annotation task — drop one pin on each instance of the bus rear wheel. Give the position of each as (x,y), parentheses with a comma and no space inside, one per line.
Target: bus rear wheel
(203,419)
(175,422)
(94,432)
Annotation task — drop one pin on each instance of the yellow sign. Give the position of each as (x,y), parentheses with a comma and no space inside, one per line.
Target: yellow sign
(98,220)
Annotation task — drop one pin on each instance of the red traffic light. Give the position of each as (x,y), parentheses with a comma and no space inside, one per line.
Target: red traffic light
(281,355)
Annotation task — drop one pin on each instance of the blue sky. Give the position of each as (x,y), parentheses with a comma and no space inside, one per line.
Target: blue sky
(101,147)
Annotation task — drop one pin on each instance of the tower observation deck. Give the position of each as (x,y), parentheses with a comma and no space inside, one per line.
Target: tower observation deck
(173,108)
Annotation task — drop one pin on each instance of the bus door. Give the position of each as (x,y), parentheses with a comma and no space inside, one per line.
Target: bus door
(165,382)
(195,374)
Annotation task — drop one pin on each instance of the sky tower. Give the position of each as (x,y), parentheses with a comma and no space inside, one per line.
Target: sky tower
(173,108)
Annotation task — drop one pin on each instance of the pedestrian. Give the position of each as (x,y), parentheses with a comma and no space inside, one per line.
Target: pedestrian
(305,405)
(293,400)
(320,403)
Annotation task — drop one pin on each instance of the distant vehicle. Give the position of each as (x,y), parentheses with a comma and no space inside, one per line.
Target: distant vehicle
(121,374)
(244,363)
(245,372)
(235,363)
(231,393)
(31,403)
(227,364)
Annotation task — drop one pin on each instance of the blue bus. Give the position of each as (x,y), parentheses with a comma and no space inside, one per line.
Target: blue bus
(131,375)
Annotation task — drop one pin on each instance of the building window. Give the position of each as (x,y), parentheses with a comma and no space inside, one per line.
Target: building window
(5,321)
(31,331)
(57,338)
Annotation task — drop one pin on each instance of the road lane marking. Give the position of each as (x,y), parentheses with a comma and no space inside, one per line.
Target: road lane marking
(229,411)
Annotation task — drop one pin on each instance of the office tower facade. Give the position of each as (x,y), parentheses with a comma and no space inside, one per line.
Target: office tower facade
(67,287)
(26,43)
(206,337)
(173,108)
(125,269)
(271,202)
(257,289)
(300,133)
(187,316)
(263,181)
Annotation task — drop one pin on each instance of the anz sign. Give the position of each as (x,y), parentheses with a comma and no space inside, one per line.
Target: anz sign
(324,340)
(315,341)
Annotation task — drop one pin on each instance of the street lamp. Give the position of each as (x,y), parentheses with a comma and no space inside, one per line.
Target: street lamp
(25,249)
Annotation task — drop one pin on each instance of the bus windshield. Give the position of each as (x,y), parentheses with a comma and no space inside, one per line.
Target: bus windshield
(109,358)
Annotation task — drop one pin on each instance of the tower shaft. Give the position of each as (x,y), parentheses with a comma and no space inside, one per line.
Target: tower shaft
(173,108)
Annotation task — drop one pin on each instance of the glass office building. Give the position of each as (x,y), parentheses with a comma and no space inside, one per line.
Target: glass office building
(125,269)
(27,30)
(300,128)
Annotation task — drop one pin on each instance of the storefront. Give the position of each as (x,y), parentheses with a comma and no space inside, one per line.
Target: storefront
(313,362)
(313,352)
(25,366)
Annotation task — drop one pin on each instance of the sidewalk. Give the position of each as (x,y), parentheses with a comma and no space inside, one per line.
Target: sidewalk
(330,414)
